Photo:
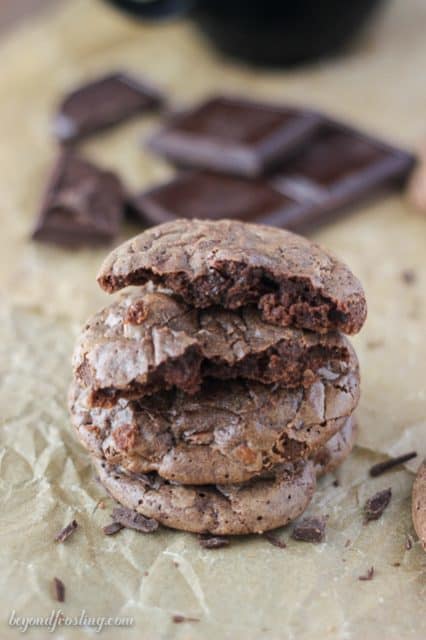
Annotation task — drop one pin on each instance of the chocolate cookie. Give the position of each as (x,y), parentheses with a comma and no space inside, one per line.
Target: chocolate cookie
(271,501)
(231,264)
(337,449)
(149,340)
(419,505)
(227,432)
(252,507)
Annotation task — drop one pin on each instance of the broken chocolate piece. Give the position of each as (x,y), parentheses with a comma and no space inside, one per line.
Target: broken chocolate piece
(66,532)
(103,103)
(234,135)
(338,167)
(113,528)
(212,542)
(367,576)
(375,506)
(134,520)
(387,465)
(83,204)
(59,588)
(310,530)
(214,196)
(276,542)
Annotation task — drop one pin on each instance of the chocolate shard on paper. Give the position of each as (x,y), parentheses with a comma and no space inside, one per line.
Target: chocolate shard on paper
(337,167)
(102,103)
(376,505)
(134,520)
(82,205)
(387,465)
(208,541)
(310,530)
(59,588)
(66,532)
(234,135)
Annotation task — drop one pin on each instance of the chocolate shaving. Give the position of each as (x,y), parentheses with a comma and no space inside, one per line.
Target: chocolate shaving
(408,276)
(408,543)
(66,532)
(368,576)
(382,467)
(134,520)
(310,530)
(59,589)
(274,540)
(212,542)
(375,506)
(113,528)
(178,618)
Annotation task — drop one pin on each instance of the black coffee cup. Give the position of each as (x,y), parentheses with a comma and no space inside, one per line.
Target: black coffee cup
(269,32)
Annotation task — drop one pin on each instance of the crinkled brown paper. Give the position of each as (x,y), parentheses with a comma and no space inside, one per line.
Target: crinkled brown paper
(250,590)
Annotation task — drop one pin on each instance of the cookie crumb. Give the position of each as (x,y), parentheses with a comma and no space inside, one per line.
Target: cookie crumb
(408,543)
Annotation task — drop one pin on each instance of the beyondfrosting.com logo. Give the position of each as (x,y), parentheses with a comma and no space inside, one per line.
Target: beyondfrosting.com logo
(57,618)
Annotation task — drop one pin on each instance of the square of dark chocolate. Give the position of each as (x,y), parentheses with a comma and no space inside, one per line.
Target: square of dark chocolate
(83,204)
(234,135)
(103,103)
(206,195)
(337,167)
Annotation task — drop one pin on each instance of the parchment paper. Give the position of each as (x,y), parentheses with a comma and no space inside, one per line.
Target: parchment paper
(250,590)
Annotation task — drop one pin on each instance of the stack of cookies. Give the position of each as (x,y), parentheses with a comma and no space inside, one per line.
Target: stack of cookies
(213,393)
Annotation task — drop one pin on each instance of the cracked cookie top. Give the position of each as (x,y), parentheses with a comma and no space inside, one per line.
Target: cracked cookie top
(150,340)
(231,264)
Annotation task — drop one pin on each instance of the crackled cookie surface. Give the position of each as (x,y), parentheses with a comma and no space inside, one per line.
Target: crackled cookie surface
(228,432)
(231,264)
(149,340)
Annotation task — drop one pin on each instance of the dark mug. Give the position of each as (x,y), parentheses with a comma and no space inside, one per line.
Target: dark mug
(269,32)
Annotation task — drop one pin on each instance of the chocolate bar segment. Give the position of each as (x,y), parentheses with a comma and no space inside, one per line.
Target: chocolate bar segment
(201,194)
(82,205)
(103,103)
(338,167)
(234,135)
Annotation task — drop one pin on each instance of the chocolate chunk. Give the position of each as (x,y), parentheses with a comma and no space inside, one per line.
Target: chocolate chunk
(367,576)
(202,195)
(113,528)
(66,532)
(103,103)
(59,588)
(232,264)
(83,204)
(212,542)
(134,520)
(387,465)
(234,135)
(310,530)
(375,506)
(338,167)
(276,542)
